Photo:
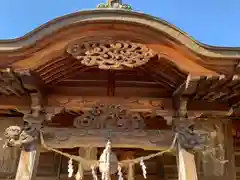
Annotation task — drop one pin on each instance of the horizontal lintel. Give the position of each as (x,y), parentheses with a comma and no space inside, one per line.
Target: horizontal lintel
(132,103)
(72,137)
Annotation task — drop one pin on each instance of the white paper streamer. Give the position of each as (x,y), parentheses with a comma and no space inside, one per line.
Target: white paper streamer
(120,175)
(144,171)
(70,168)
(107,151)
(94,173)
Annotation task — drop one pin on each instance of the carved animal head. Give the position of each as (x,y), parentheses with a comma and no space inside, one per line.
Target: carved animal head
(17,136)
(12,135)
(190,137)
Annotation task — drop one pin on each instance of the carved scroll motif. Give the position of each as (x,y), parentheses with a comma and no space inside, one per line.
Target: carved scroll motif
(111,54)
(112,116)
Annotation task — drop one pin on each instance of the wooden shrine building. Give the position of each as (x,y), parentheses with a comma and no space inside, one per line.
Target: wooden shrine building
(111,93)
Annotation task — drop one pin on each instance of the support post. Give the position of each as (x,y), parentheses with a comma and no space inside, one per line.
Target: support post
(186,165)
(230,167)
(185,159)
(28,162)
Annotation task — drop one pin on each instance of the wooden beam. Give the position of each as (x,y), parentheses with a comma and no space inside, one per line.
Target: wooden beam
(72,137)
(160,106)
(14,102)
(87,102)
(133,103)
(28,162)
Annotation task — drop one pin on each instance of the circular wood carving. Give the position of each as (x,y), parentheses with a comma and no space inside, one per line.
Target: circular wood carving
(111,54)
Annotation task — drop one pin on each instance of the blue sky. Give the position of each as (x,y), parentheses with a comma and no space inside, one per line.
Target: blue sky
(214,22)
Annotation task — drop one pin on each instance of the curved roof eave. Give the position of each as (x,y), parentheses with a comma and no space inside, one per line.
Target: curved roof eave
(120,16)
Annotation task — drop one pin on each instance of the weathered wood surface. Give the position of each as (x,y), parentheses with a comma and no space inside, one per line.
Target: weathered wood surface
(28,162)
(71,137)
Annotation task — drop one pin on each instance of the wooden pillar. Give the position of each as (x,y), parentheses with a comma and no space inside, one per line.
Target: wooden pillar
(230,167)
(28,162)
(185,159)
(186,165)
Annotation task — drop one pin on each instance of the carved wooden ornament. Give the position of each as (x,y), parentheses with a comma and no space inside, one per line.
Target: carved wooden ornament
(111,54)
(112,116)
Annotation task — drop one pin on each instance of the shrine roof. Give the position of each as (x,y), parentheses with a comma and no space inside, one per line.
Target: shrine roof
(114,52)
(49,41)
(115,16)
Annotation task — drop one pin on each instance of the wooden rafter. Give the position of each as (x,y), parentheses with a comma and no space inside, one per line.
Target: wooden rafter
(161,71)
(212,88)
(64,73)
(45,66)
(165,72)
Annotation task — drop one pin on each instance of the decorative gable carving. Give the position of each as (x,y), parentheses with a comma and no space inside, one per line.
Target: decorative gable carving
(112,116)
(111,54)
